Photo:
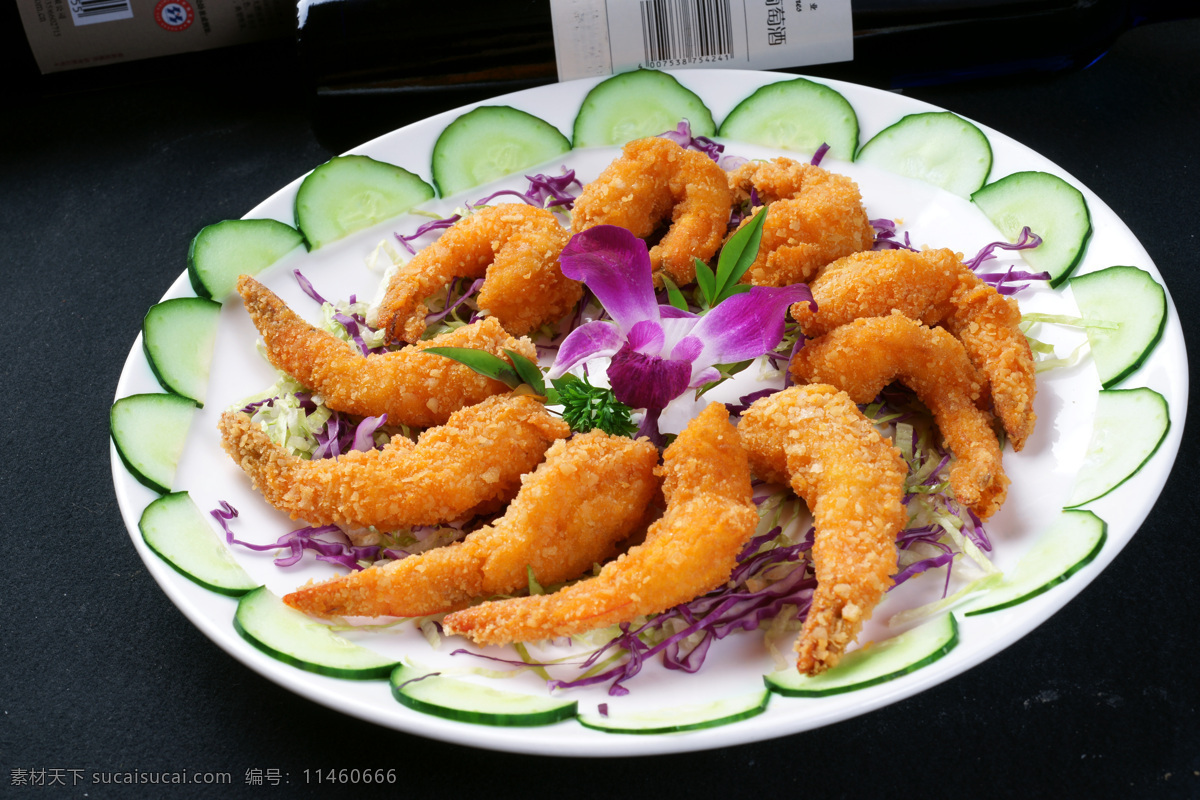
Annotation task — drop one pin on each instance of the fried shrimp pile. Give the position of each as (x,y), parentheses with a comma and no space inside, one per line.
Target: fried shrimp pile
(655,180)
(589,494)
(815,439)
(476,458)
(412,387)
(816,217)
(936,288)
(864,356)
(691,550)
(514,247)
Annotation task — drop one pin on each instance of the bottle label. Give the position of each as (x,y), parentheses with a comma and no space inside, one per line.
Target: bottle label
(602,37)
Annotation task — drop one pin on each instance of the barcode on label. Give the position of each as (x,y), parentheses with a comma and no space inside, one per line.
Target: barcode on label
(676,32)
(89,12)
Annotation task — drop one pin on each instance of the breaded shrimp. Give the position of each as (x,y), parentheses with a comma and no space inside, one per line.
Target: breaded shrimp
(589,494)
(514,247)
(862,357)
(815,439)
(413,388)
(691,550)
(656,179)
(935,287)
(815,216)
(477,457)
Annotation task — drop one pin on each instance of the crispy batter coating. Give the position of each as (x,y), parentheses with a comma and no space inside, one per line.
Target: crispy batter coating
(862,357)
(413,388)
(935,287)
(815,439)
(514,247)
(655,179)
(691,550)
(815,216)
(477,457)
(589,494)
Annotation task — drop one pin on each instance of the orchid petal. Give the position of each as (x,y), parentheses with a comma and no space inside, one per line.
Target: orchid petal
(706,375)
(591,340)
(671,312)
(746,325)
(675,330)
(688,349)
(650,382)
(615,265)
(647,338)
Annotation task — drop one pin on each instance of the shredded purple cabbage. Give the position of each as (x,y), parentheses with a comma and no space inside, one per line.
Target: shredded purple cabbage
(434,225)
(338,550)
(885,236)
(454,299)
(682,136)
(819,156)
(545,191)
(1011,280)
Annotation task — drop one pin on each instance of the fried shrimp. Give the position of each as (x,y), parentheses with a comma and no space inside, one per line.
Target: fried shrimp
(656,179)
(589,494)
(691,550)
(815,217)
(935,287)
(412,387)
(815,439)
(514,247)
(864,356)
(477,457)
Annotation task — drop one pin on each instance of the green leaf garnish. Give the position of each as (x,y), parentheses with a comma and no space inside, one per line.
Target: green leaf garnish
(707,282)
(736,257)
(586,407)
(674,296)
(528,371)
(481,361)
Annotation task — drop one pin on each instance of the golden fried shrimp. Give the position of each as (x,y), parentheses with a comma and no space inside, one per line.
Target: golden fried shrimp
(864,356)
(477,457)
(935,287)
(655,179)
(412,387)
(815,217)
(589,494)
(815,439)
(514,247)
(691,550)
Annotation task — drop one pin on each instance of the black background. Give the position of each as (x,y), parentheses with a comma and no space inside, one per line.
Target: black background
(100,193)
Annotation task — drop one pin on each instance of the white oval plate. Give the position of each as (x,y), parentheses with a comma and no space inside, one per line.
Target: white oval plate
(1041,474)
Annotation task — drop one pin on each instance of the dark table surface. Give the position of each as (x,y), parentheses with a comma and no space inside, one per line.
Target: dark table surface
(100,193)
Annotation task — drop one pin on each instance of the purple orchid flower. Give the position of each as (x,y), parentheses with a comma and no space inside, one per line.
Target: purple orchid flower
(657,351)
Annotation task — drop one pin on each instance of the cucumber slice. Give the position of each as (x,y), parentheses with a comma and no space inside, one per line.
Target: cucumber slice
(798,115)
(149,431)
(1129,426)
(179,533)
(1135,301)
(1065,547)
(349,193)
(936,147)
(682,718)
(178,336)
(634,105)
(428,692)
(491,142)
(224,250)
(876,663)
(284,633)
(1051,208)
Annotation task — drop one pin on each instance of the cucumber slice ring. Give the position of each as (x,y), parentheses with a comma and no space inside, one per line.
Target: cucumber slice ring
(877,663)
(633,105)
(1135,301)
(178,336)
(221,252)
(937,147)
(349,193)
(677,719)
(177,530)
(798,115)
(289,636)
(149,431)
(1071,542)
(1129,426)
(431,693)
(489,143)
